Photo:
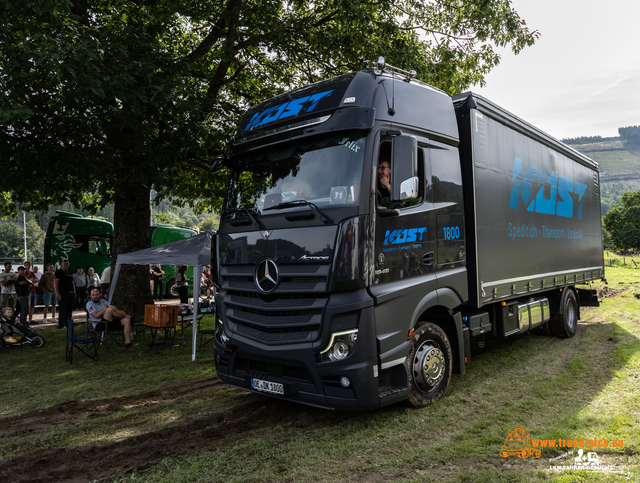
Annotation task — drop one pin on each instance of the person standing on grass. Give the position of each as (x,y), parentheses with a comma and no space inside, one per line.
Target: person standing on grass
(80,282)
(182,285)
(48,294)
(8,298)
(65,293)
(108,317)
(22,289)
(31,276)
(157,282)
(94,279)
(105,281)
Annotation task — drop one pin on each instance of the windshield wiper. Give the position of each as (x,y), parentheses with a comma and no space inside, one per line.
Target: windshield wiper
(293,204)
(244,209)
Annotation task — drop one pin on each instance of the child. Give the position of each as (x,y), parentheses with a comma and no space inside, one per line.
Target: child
(5,320)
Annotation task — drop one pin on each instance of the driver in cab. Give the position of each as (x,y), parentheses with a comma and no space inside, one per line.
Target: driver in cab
(384,175)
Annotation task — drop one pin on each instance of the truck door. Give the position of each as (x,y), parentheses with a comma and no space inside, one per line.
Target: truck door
(405,243)
(405,261)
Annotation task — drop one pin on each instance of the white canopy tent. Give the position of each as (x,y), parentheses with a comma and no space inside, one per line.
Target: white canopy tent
(194,252)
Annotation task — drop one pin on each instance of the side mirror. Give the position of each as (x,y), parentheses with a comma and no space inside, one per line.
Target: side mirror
(409,189)
(404,155)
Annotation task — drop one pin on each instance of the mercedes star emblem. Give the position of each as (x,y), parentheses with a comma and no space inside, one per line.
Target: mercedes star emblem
(266,275)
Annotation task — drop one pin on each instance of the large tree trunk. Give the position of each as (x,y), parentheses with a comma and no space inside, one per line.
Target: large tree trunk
(131,233)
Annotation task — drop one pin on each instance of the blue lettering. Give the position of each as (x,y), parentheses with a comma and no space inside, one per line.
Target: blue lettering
(544,205)
(287,109)
(580,189)
(559,200)
(395,237)
(273,114)
(316,98)
(530,176)
(565,207)
(294,107)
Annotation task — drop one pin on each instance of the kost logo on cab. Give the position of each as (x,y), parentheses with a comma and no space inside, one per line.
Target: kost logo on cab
(301,105)
(543,191)
(408,235)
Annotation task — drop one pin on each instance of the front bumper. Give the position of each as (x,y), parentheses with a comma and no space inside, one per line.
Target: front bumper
(298,368)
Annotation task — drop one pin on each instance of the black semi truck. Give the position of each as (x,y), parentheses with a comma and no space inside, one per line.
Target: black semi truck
(336,296)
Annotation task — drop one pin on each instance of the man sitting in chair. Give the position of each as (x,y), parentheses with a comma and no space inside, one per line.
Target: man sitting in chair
(105,316)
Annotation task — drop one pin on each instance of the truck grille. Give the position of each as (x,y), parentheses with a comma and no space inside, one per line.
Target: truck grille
(291,314)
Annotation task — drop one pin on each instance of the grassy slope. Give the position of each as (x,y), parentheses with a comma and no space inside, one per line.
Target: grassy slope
(584,387)
(613,157)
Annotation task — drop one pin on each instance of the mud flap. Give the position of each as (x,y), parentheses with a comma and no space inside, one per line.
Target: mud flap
(458,362)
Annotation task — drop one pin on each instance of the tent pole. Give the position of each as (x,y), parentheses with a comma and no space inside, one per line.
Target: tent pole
(196,308)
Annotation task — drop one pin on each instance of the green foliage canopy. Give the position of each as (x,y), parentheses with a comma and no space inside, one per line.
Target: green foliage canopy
(623,221)
(104,99)
(100,96)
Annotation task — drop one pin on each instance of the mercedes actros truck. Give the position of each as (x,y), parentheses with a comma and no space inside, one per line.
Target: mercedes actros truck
(374,228)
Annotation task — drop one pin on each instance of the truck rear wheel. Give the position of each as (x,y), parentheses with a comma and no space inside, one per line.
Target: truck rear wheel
(171,291)
(430,365)
(565,323)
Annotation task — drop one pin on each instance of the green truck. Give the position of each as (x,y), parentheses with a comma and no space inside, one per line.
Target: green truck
(86,242)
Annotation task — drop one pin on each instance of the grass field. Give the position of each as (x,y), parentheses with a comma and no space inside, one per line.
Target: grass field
(158,417)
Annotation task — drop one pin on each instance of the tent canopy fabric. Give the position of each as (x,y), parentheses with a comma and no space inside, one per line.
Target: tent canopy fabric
(194,251)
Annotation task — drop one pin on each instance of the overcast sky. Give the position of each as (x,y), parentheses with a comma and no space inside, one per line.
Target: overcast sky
(582,76)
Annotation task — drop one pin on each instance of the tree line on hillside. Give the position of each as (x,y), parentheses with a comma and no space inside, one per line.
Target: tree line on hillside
(630,136)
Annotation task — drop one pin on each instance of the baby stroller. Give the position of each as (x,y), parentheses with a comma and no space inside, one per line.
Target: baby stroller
(14,334)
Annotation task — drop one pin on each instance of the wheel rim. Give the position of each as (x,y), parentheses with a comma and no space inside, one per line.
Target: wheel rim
(571,314)
(428,366)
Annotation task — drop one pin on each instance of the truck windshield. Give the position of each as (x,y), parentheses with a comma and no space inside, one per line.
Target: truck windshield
(324,170)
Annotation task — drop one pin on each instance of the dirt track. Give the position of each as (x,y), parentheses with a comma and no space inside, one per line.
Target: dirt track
(94,461)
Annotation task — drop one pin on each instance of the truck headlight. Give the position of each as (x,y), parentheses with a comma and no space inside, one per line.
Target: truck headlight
(340,346)
(222,337)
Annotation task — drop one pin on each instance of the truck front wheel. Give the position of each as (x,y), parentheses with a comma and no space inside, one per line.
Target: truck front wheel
(565,324)
(430,365)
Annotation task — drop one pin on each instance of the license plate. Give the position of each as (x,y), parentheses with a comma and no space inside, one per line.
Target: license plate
(266,386)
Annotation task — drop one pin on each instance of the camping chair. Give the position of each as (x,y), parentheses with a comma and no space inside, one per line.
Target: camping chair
(138,329)
(105,336)
(83,343)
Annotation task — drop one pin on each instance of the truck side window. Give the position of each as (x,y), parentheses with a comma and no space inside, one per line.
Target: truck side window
(446,178)
(384,177)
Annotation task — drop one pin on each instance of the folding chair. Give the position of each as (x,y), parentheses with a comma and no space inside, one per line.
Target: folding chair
(83,343)
(105,336)
(137,327)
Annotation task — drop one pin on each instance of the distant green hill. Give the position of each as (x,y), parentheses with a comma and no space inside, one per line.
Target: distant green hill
(619,168)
